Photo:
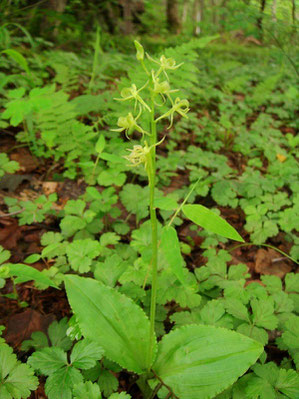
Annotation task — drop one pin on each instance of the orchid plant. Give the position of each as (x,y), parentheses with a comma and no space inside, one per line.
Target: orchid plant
(195,361)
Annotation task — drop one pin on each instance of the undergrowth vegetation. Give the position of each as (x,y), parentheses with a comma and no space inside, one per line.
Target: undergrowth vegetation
(161,302)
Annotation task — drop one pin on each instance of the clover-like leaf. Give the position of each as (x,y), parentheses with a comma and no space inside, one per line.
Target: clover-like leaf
(17,380)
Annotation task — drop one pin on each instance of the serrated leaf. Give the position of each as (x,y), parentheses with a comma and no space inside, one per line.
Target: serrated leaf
(81,253)
(85,354)
(291,333)
(270,382)
(71,224)
(48,360)
(121,395)
(87,390)
(273,283)
(288,383)
(60,384)
(38,340)
(202,361)
(27,273)
(212,312)
(236,308)
(263,313)
(170,247)
(257,333)
(57,334)
(107,382)
(110,319)
(17,379)
(208,220)
(292,282)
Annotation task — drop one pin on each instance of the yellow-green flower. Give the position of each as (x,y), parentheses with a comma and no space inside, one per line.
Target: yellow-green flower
(179,106)
(128,124)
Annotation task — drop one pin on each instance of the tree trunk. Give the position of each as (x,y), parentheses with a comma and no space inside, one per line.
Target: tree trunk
(58,6)
(172,14)
(294,11)
(185,11)
(260,18)
(127,26)
(214,12)
(198,11)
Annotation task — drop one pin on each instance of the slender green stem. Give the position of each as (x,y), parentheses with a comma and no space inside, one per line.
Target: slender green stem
(95,166)
(182,204)
(250,244)
(153,216)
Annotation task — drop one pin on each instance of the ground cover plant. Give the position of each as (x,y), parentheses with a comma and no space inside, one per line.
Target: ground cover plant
(149,202)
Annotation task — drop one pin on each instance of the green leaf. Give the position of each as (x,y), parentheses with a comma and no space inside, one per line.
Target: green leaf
(121,395)
(18,58)
(291,332)
(100,144)
(75,207)
(110,319)
(170,247)
(32,258)
(87,390)
(85,354)
(16,379)
(60,384)
(107,382)
(288,383)
(48,360)
(71,224)
(263,313)
(202,361)
(81,253)
(236,308)
(4,255)
(38,340)
(257,333)
(268,381)
(109,272)
(292,282)
(57,334)
(208,220)
(212,313)
(28,273)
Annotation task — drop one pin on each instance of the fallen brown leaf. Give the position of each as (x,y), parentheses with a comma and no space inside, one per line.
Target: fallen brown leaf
(268,261)
(21,325)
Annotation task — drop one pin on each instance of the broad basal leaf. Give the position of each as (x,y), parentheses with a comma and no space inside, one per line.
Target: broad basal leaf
(208,220)
(199,361)
(112,320)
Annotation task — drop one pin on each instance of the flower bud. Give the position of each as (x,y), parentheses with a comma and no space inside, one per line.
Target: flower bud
(139,51)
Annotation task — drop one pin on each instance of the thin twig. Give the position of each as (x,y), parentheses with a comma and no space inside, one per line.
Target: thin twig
(156,390)
(166,386)
(5,215)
